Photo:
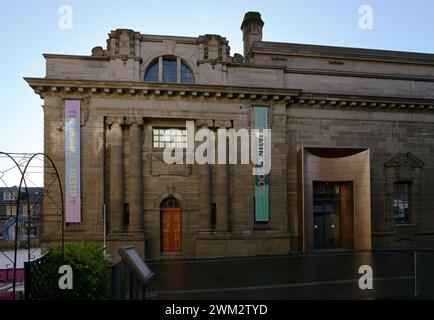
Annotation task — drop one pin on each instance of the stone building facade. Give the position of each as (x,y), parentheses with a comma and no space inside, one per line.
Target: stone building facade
(351,148)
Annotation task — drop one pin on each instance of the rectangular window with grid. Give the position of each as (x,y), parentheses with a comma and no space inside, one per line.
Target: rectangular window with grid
(162,137)
(401,203)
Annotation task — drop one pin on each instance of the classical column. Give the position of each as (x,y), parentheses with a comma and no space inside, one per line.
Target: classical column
(135,177)
(222,181)
(204,187)
(116,175)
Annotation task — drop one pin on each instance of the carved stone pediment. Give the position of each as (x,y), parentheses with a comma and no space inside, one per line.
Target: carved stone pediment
(405,160)
(404,167)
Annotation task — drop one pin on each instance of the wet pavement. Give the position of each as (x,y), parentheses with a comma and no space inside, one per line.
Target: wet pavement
(316,276)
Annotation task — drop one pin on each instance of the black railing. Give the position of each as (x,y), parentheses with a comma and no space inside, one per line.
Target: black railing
(33,278)
(132,276)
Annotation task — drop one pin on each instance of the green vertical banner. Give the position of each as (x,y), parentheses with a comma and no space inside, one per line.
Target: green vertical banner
(261,186)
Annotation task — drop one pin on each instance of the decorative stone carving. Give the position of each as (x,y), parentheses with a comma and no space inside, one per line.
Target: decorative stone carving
(223,124)
(405,159)
(214,48)
(123,43)
(97,52)
(200,123)
(111,120)
(130,120)
(171,190)
(403,167)
(237,58)
(84,111)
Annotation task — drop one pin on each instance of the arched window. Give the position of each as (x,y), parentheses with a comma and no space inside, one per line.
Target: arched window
(152,72)
(170,67)
(186,74)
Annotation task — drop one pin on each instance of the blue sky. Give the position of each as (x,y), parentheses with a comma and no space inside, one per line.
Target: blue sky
(30,28)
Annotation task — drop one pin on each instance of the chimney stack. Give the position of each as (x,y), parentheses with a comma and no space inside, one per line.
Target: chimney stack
(252,30)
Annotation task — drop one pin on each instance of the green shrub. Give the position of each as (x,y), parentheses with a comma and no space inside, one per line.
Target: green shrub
(89,272)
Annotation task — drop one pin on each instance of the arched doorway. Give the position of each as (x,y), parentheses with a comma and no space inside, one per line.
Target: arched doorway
(170,226)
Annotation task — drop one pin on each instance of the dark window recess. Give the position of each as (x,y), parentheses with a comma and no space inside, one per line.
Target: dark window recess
(170,203)
(402,203)
(213,216)
(265,223)
(126,216)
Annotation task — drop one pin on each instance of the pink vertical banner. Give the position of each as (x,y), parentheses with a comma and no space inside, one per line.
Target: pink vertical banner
(72,161)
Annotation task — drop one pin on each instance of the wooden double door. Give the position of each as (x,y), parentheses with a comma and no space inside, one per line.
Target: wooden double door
(171,227)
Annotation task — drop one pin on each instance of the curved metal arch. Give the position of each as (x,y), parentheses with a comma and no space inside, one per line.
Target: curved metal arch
(17,204)
(17,211)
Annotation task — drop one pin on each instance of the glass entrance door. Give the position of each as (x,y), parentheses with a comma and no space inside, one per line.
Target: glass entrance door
(327,215)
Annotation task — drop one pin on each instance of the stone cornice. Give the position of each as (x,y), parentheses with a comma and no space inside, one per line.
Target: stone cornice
(330,101)
(331,72)
(79,57)
(289,97)
(358,74)
(292,49)
(161,38)
(44,87)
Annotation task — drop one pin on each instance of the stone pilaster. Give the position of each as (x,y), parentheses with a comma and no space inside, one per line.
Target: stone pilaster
(222,182)
(135,175)
(116,201)
(204,187)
